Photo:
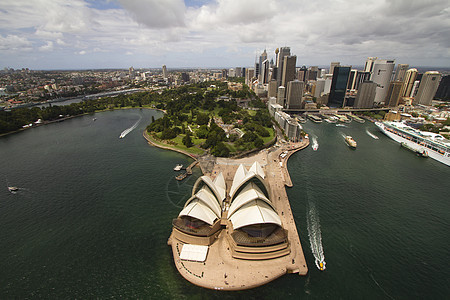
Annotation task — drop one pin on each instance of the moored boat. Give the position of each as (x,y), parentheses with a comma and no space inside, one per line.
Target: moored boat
(178,167)
(425,143)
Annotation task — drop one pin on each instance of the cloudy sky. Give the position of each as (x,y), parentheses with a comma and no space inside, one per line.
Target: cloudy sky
(79,34)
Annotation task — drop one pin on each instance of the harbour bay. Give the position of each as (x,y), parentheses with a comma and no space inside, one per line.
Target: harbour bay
(93,214)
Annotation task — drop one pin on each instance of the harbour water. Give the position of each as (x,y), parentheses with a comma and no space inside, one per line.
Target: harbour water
(93,214)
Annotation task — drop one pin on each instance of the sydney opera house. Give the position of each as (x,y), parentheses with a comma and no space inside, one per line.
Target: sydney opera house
(242,213)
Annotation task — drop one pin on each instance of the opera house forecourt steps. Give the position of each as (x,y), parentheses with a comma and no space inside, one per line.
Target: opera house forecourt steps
(240,235)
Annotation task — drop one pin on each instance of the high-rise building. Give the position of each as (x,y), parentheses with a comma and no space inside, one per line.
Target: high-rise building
(264,75)
(238,71)
(294,94)
(274,73)
(284,51)
(320,86)
(288,69)
(339,86)
(333,65)
(272,89)
(381,75)
(131,73)
(262,58)
(328,80)
(393,94)
(408,82)
(164,71)
(352,80)
(280,95)
(366,95)
(301,73)
(369,64)
(361,77)
(231,72)
(400,72)
(443,91)
(185,76)
(249,75)
(414,89)
(427,88)
(312,72)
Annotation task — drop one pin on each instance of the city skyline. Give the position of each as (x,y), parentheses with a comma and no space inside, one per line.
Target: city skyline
(84,34)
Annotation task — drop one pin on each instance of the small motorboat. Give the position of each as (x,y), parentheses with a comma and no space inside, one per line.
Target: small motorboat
(321,264)
(350,142)
(178,167)
(13,189)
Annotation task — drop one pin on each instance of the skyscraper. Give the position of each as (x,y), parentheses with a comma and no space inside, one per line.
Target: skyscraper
(352,80)
(164,71)
(272,89)
(333,65)
(294,94)
(400,72)
(284,51)
(361,76)
(249,75)
(288,69)
(369,64)
(280,95)
(382,72)
(262,58)
(408,83)
(443,91)
(393,94)
(339,86)
(320,86)
(264,75)
(427,88)
(301,73)
(312,73)
(366,95)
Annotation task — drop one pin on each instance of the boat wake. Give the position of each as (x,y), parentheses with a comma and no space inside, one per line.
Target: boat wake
(315,144)
(315,236)
(371,134)
(128,130)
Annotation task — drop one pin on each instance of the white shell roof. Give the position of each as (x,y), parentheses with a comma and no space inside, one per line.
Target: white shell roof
(254,212)
(218,190)
(207,197)
(257,169)
(197,209)
(249,193)
(242,176)
(220,182)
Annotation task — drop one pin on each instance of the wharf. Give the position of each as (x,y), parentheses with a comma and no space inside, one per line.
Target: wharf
(220,270)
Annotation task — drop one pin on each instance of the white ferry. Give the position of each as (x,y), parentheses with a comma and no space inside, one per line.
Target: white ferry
(427,143)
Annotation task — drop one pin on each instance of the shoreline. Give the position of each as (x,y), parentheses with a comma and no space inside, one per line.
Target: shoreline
(76,116)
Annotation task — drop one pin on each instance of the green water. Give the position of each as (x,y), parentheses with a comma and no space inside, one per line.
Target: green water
(93,214)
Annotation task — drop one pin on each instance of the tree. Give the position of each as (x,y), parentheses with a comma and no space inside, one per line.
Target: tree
(220,150)
(187,141)
(258,142)
(202,119)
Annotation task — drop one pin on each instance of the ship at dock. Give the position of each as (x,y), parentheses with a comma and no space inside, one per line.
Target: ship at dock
(426,143)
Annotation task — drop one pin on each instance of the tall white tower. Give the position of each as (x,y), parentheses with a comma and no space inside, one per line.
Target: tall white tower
(382,73)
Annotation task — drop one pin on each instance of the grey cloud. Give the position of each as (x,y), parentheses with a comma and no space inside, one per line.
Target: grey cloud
(156,13)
